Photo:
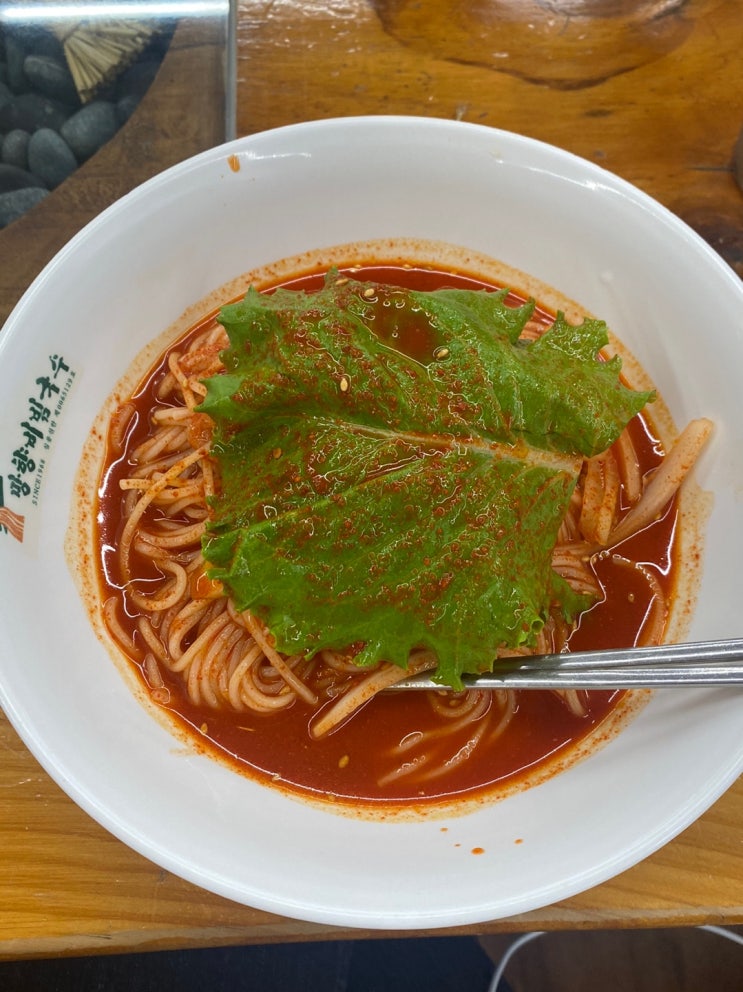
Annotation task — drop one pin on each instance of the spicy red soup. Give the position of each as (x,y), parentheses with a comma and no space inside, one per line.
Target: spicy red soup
(399,748)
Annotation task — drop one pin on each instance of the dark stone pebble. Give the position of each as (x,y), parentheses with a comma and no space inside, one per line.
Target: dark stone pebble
(30,111)
(13,205)
(13,178)
(52,78)
(15,55)
(89,129)
(50,157)
(34,36)
(6,95)
(40,40)
(125,107)
(15,148)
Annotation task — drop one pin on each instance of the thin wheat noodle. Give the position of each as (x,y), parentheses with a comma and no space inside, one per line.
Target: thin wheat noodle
(197,363)
(193,491)
(158,690)
(171,415)
(407,768)
(168,439)
(269,680)
(250,693)
(142,504)
(453,705)
(207,478)
(477,707)
(381,678)
(339,662)
(180,537)
(200,674)
(458,758)
(152,640)
(166,387)
(278,662)
(151,671)
(144,547)
(163,464)
(175,629)
(429,763)
(119,426)
(188,507)
(251,653)
(572,562)
(215,609)
(165,599)
(212,629)
(571,699)
(111,616)
(261,701)
(224,673)
(506,699)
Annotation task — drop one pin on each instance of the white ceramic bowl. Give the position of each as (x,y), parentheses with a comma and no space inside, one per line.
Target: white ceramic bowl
(172,242)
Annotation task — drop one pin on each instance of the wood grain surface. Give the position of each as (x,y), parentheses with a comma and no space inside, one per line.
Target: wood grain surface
(650,89)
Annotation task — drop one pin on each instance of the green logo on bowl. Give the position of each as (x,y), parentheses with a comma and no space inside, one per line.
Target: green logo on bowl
(31,443)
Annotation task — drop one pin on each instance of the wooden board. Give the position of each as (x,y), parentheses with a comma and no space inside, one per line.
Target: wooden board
(651,90)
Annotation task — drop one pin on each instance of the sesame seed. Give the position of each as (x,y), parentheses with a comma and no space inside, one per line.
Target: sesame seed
(369,292)
(441,353)
(345,384)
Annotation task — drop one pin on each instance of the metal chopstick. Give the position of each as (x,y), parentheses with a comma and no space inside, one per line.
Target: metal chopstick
(705,663)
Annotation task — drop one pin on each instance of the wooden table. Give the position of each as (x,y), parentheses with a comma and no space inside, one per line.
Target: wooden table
(650,89)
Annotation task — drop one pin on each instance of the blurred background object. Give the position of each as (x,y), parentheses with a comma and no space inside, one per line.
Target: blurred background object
(160,95)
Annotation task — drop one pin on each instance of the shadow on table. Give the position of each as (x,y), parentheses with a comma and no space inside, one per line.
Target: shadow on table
(446,964)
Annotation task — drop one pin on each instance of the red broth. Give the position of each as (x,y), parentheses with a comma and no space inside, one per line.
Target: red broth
(348,765)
